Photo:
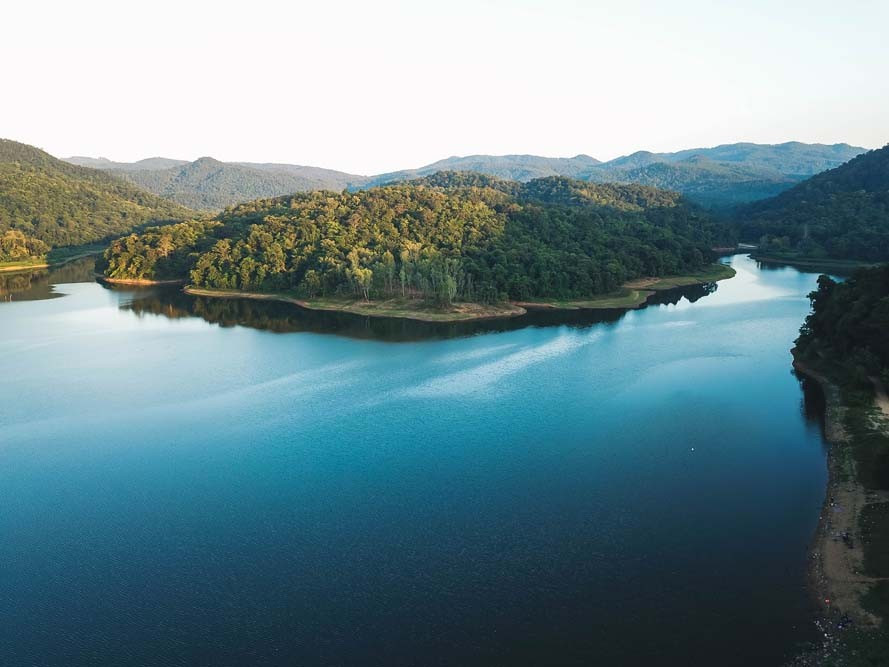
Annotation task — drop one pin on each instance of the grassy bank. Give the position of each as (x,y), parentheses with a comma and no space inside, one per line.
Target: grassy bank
(818,263)
(850,554)
(55,257)
(413,309)
(140,282)
(635,293)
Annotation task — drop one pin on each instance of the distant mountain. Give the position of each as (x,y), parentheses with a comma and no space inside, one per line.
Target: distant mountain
(315,177)
(708,183)
(718,177)
(63,204)
(727,175)
(209,184)
(792,158)
(842,213)
(511,167)
(105,163)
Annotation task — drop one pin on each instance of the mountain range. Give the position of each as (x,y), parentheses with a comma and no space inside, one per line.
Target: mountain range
(718,177)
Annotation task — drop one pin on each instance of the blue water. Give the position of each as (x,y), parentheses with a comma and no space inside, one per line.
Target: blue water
(636,489)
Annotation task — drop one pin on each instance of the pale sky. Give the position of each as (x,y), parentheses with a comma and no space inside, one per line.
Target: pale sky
(366,86)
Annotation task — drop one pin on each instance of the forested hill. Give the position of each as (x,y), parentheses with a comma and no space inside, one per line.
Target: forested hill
(209,184)
(718,177)
(509,167)
(450,236)
(849,322)
(47,202)
(105,163)
(842,213)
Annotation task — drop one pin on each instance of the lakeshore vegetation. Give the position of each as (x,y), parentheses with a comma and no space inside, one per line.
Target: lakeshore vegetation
(449,237)
(845,340)
(842,213)
(47,203)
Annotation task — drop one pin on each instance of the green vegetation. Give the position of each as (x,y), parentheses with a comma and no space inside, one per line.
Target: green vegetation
(708,183)
(17,248)
(212,185)
(838,214)
(850,321)
(159,253)
(846,338)
(453,237)
(59,204)
(717,177)
(507,167)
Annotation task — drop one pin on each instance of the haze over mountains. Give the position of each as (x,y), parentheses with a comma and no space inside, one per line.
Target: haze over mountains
(838,213)
(717,177)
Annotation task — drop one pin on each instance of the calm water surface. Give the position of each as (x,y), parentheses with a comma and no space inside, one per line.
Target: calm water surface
(637,489)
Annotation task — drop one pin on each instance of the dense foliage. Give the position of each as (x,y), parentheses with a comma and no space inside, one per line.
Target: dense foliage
(16,246)
(62,204)
(850,321)
(159,253)
(842,214)
(452,236)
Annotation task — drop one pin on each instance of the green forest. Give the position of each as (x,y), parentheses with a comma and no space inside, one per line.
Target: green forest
(17,247)
(53,203)
(849,322)
(451,236)
(842,213)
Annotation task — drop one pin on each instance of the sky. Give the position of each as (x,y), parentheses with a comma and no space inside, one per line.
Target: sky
(367,87)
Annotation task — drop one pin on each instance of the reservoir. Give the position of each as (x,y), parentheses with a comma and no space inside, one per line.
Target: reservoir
(188,481)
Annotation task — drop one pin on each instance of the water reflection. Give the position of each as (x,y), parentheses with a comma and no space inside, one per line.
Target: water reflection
(286,318)
(37,284)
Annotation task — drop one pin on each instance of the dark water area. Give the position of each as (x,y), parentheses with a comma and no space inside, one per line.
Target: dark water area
(190,481)
(37,284)
(281,317)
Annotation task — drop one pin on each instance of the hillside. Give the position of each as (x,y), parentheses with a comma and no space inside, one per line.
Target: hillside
(708,183)
(105,163)
(60,204)
(447,237)
(718,177)
(791,158)
(842,213)
(209,184)
(727,175)
(509,167)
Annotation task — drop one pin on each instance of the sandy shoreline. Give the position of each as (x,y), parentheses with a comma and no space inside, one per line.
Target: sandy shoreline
(836,556)
(462,312)
(138,281)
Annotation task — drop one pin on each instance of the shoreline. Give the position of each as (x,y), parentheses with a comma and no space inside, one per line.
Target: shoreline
(826,264)
(48,264)
(638,292)
(143,282)
(26,267)
(464,312)
(836,553)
